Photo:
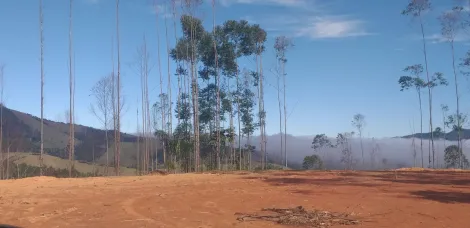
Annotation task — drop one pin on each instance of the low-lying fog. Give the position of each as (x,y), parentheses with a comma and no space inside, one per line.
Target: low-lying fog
(397,152)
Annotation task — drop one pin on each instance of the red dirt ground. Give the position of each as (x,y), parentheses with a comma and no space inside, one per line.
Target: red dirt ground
(414,199)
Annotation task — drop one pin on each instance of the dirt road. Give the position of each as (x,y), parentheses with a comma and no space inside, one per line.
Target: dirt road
(414,199)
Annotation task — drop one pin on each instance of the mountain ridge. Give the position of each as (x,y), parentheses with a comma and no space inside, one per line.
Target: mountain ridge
(450,136)
(21,132)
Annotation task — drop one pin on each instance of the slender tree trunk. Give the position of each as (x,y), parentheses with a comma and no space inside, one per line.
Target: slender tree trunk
(113,107)
(107,147)
(239,122)
(260,118)
(73,113)
(71,93)
(142,83)
(179,103)
(196,102)
(144,117)
(285,112)
(41,21)
(362,148)
(189,103)
(261,76)
(163,102)
(8,162)
(93,157)
(147,109)
(459,130)
(138,143)
(113,96)
(444,114)
(170,115)
(217,79)
(170,109)
(118,119)
(280,112)
(413,144)
(232,129)
(1,122)
(195,96)
(249,151)
(421,136)
(429,90)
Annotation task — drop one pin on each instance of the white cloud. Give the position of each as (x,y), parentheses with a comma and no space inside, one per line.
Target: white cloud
(322,28)
(289,3)
(299,22)
(438,38)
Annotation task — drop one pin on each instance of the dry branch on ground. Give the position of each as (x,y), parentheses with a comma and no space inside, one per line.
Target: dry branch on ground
(298,216)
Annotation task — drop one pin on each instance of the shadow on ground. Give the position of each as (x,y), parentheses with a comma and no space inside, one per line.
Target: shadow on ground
(8,226)
(382,180)
(424,178)
(334,181)
(443,197)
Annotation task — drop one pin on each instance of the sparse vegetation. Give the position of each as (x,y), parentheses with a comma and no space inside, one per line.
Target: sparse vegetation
(312,162)
(214,88)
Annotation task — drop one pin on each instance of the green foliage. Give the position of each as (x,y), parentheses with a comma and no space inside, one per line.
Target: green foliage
(232,40)
(281,44)
(343,142)
(438,132)
(456,121)
(163,105)
(359,122)
(437,79)
(182,50)
(416,7)
(247,103)
(183,110)
(454,157)
(312,162)
(192,27)
(465,62)
(320,142)
(182,155)
(414,81)
(208,106)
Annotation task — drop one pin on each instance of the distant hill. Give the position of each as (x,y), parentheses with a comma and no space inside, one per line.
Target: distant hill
(21,132)
(451,136)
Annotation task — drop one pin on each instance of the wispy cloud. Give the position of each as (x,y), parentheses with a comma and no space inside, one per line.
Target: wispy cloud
(438,38)
(320,27)
(297,19)
(289,3)
(330,27)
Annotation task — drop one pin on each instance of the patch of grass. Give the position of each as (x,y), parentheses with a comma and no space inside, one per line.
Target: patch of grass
(58,163)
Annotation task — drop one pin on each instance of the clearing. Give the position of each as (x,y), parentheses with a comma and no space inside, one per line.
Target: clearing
(418,199)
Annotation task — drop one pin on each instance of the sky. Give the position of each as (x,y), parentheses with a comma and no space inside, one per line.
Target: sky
(347,59)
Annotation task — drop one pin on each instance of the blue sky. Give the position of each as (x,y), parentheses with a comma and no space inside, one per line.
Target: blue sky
(347,58)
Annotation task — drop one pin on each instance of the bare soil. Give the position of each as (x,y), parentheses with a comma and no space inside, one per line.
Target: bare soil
(417,199)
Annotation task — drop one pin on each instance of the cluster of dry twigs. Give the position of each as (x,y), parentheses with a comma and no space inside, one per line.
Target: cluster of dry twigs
(300,217)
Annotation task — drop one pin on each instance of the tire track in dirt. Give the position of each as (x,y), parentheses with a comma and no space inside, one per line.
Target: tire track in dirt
(48,216)
(129,208)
